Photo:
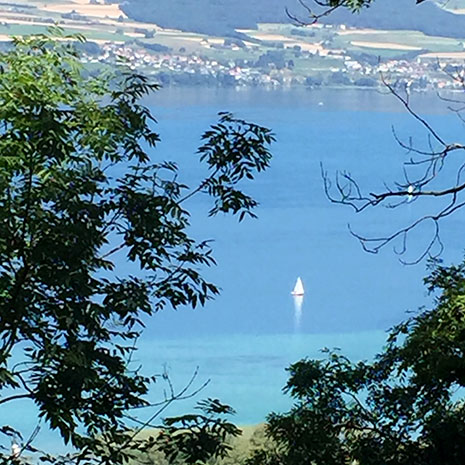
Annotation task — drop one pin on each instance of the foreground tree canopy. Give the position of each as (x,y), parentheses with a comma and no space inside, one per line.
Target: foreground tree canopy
(406,407)
(78,186)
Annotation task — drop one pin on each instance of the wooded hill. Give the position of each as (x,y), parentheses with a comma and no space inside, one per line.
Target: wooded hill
(222,17)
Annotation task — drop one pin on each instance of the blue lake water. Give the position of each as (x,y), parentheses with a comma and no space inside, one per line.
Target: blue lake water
(243,341)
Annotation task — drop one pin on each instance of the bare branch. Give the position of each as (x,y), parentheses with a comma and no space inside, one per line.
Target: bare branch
(405,193)
(407,106)
(182,394)
(15,397)
(326,7)
(421,179)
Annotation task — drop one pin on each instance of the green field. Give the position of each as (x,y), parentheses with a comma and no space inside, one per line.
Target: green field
(296,46)
(407,38)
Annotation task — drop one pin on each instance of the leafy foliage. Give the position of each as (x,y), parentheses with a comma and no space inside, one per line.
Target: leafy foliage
(405,407)
(78,187)
(195,438)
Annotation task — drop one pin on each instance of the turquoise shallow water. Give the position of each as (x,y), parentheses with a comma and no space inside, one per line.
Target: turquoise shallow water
(246,371)
(243,341)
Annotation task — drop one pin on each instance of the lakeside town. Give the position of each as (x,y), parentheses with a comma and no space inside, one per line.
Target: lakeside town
(270,56)
(274,69)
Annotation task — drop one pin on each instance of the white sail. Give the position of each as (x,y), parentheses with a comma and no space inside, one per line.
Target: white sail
(298,288)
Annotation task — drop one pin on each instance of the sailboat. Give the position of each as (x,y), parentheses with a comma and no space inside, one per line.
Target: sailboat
(298,288)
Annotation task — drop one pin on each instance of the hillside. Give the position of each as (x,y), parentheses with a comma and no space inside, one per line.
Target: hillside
(222,17)
(267,54)
(427,17)
(213,17)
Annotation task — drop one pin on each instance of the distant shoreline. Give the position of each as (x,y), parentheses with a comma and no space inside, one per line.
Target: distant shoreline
(323,99)
(299,87)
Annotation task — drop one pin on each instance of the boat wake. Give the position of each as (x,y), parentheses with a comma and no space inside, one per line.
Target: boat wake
(298,297)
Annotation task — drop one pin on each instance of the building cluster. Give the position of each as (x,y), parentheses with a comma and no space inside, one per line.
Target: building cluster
(182,68)
(179,68)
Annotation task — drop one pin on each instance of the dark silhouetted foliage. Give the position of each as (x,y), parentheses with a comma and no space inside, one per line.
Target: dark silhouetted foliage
(406,407)
(79,185)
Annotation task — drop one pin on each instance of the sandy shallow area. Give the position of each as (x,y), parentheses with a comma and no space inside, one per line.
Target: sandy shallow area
(383,45)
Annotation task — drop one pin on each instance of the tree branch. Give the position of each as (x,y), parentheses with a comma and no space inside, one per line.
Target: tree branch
(15,397)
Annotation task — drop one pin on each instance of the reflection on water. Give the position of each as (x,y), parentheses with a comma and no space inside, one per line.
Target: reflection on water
(298,228)
(298,303)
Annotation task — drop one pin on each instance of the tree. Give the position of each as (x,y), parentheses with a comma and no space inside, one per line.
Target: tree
(317,9)
(78,186)
(426,170)
(405,407)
